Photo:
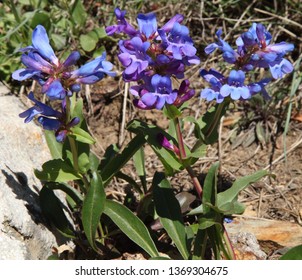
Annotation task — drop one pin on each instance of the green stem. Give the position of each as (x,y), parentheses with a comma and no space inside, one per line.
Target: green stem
(182,154)
(228,244)
(216,119)
(74,152)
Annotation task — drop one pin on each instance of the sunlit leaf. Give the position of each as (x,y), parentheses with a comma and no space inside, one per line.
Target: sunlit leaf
(293,254)
(131,225)
(93,207)
(57,170)
(169,212)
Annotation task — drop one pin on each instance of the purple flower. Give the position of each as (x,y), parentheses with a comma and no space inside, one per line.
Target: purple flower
(164,142)
(155,93)
(179,45)
(152,56)
(49,118)
(122,25)
(55,77)
(133,56)
(184,93)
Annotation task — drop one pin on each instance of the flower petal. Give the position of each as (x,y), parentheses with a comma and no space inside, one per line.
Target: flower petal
(40,42)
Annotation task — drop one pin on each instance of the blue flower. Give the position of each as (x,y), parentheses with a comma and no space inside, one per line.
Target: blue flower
(147,24)
(256,51)
(230,87)
(49,118)
(228,53)
(56,78)
(92,71)
(39,109)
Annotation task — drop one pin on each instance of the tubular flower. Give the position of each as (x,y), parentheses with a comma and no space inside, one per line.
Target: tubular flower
(49,118)
(152,55)
(233,86)
(254,50)
(55,77)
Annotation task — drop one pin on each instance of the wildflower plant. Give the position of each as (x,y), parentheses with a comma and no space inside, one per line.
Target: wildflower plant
(154,60)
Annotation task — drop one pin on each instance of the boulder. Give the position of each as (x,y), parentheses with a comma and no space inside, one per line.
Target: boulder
(24,233)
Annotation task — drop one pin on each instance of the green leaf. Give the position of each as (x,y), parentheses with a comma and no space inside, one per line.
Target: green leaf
(119,160)
(101,32)
(59,41)
(172,112)
(40,18)
(53,210)
(151,132)
(57,170)
(207,125)
(94,162)
(230,195)
(210,188)
(169,212)
(81,135)
(293,254)
(210,219)
(200,244)
(139,164)
(93,207)
(89,41)
(78,13)
(196,211)
(55,147)
(131,225)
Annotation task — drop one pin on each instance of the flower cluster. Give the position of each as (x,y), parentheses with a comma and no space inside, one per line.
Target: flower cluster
(253,51)
(58,80)
(152,55)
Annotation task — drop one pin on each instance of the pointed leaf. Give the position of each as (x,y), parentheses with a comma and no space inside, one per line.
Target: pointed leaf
(119,160)
(293,254)
(82,136)
(57,170)
(131,225)
(168,209)
(231,194)
(93,207)
(53,211)
(151,132)
(210,188)
(78,13)
(207,125)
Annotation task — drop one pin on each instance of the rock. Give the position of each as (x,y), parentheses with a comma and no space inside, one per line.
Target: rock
(246,247)
(24,234)
(286,234)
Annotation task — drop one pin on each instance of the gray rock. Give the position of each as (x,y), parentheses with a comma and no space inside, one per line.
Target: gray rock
(24,234)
